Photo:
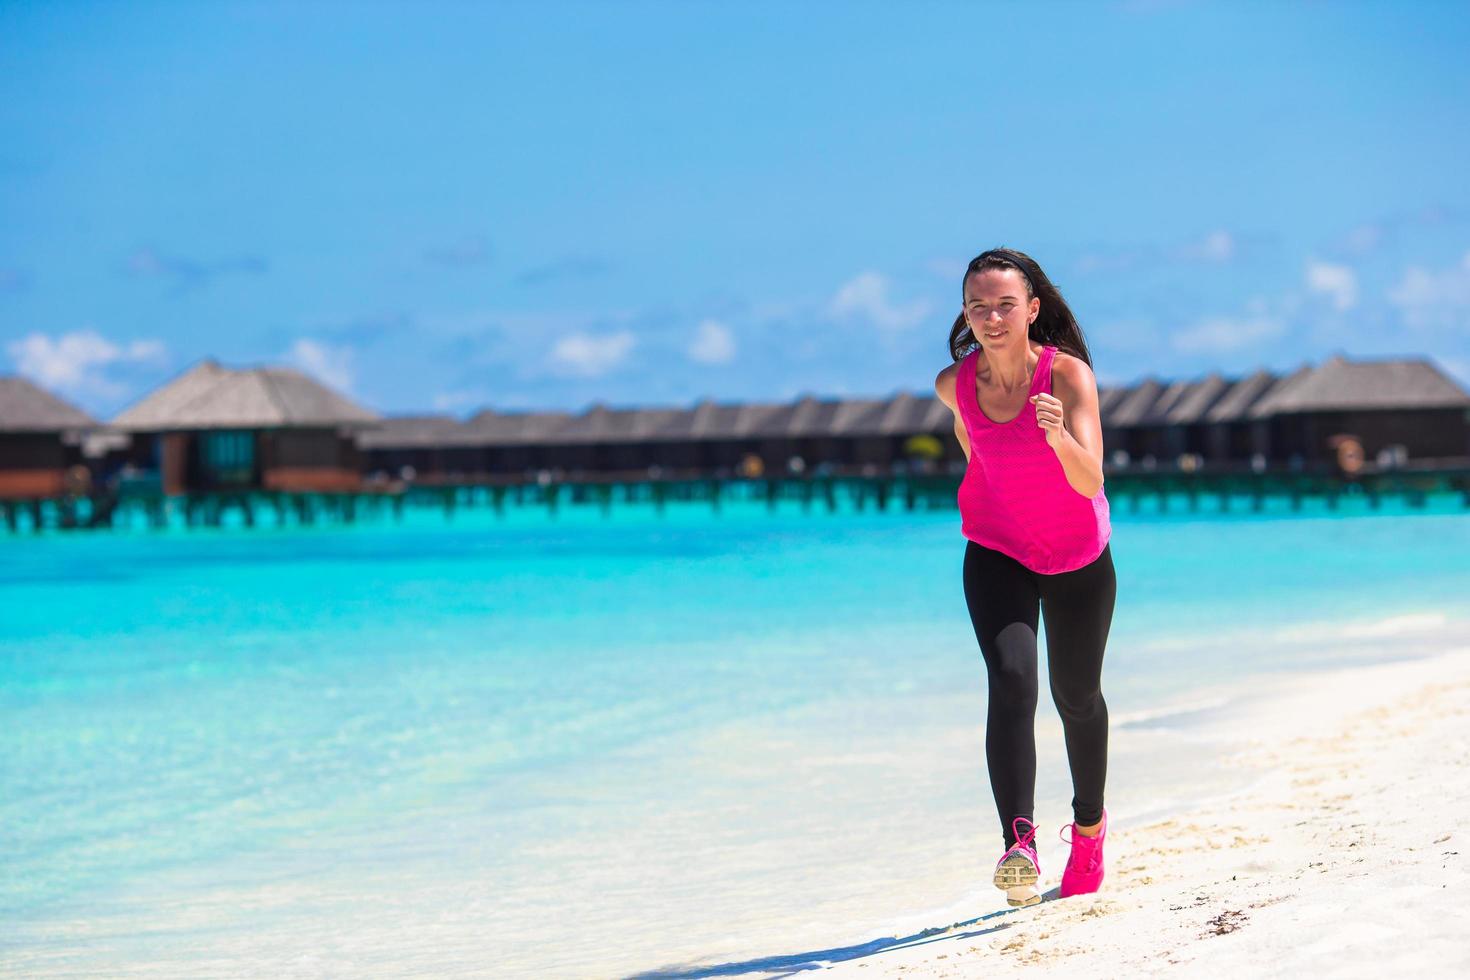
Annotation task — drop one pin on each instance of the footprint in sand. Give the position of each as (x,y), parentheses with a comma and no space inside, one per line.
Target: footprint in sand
(1100,908)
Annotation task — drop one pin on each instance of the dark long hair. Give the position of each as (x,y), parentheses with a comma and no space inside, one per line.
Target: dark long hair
(1054,324)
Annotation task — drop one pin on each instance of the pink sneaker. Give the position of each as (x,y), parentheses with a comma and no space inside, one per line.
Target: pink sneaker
(1018,869)
(1084,871)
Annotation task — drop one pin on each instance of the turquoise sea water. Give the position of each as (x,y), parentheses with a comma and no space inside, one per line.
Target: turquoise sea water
(591,746)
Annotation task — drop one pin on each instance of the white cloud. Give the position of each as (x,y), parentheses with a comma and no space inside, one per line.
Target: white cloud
(1216,335)
(1363,238)
(1338,282)
(713,343)
(330,364)
(1427,299)
(1217,246)
(76,362)
(149,263)
(1371,235)
(589,356)
(866,296)
(454,401)
(948,268)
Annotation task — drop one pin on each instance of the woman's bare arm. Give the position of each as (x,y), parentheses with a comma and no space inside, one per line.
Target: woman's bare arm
(944,387)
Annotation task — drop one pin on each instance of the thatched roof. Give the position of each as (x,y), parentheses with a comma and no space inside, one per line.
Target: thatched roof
(765,420)
(601,424)
(810,416)
(1234,405)
(708,419)
(1212,399)
(1337,384)
(24,407)
(1158,412)
(1342,385)
(1110,398)
(1196,400)
(419,431)
(209,396)
(1134,405)
(907,414)
(518,428)
(858,417)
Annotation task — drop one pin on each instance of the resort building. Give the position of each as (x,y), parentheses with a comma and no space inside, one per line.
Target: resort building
(409,445)
(518,442)
(602,439)
(715,437)
(274,428)
(260,428)
(40,442)
(1399,409)
(708,439)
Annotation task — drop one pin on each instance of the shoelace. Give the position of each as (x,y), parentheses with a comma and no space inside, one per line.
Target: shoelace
(1091,852)
(1023,840)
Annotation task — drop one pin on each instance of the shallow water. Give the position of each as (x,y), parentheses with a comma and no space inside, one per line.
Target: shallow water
(590,746)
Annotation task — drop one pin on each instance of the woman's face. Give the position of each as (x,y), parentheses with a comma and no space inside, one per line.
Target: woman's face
(996,307)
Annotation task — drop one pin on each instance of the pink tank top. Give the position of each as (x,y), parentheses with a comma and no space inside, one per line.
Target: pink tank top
(1015,497)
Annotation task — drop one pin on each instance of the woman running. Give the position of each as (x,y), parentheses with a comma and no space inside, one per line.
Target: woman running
(1033,511)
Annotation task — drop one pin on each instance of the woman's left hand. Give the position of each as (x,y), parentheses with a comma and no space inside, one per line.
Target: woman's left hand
(1049,417)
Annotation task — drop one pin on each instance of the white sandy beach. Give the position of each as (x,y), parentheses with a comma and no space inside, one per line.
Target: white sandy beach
(1346,856)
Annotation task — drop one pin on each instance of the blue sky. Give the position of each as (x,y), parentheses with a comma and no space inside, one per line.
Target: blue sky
(445,207)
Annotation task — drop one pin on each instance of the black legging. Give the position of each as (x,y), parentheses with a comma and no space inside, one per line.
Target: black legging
(1003,596)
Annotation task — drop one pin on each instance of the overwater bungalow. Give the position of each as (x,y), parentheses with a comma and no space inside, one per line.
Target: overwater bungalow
(408,445)
(906,416)
(709,438)
(518,442)
(1125,421)
(1402,409)
(238,429)
(761,431)
(40,442)
(1260,420)
(603,439)
(1231,433)
(808,430)
(713,437)
(855,432)
(1109,397)
(1154,423)
(1185,429)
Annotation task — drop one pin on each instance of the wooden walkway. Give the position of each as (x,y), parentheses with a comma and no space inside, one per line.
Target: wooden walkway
(1135,490)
